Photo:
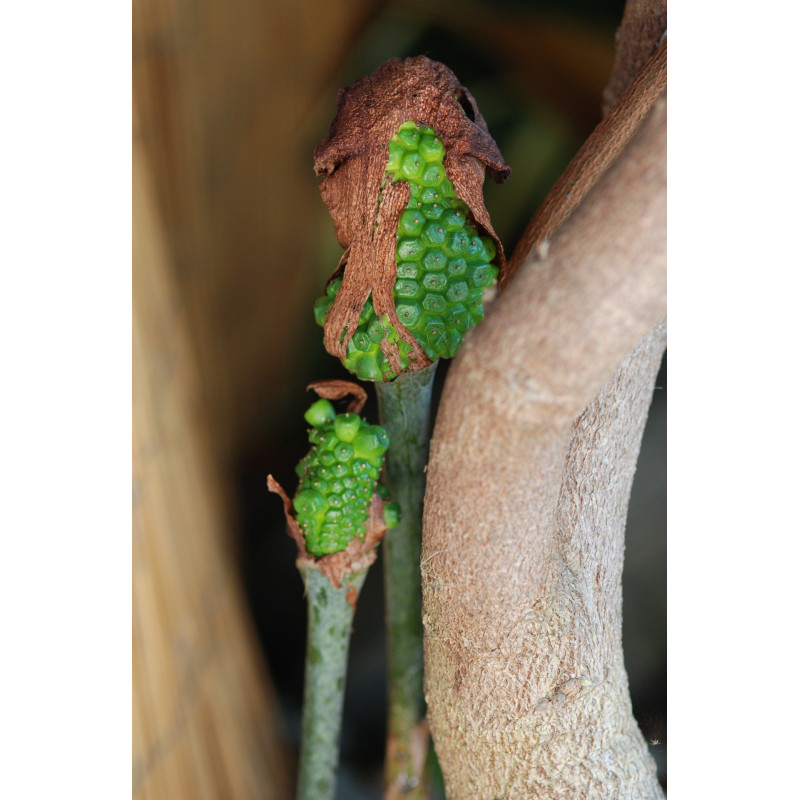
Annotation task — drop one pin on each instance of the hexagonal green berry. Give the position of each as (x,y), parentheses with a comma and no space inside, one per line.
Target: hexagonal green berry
(359,467)
(457,292)
(346,426)
(433,332)
(457,243)
(432,175)
(366,368)
(370,443)
(412,166)
(344,452)
(456,267)
(338,470)
(433,211)
(409,313)
(320,413)
(433,302)
(434,260)
(458,317)
(431,148)
(434,234)
(376,331)
(361,342)
(453,219)
(409,269)
(309,501)
(430,195)
(391,515)
(408,136)
(410,250)
(435,282)
(328,440)
(481,276)
(411,223)
(408,289)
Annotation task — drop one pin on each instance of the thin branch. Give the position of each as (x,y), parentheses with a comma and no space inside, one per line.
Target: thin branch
(642,31)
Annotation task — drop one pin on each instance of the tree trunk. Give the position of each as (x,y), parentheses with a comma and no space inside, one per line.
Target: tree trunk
(539,429)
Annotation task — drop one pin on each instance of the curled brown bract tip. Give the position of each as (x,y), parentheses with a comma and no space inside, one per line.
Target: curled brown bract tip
(352,159)
(337,389)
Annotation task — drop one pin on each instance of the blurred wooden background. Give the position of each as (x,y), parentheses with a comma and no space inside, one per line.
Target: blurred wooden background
(231,247)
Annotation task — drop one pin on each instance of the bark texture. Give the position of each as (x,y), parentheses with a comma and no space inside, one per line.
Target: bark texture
(539,428)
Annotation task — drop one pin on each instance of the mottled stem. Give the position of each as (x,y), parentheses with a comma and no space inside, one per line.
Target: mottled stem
(330,619)
(404,407)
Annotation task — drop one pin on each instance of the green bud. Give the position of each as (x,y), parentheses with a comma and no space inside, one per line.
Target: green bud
(309,501)
(346,426)
(391,514)
(320,413)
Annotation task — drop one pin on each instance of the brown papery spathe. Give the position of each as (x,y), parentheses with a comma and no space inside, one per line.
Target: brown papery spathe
(352,159)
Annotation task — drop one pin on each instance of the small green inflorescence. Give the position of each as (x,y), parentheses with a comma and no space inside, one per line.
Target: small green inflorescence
(443,265)
(338,478)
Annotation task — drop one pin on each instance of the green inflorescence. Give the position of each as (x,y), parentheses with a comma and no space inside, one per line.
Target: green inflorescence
(443,265)
(338,478)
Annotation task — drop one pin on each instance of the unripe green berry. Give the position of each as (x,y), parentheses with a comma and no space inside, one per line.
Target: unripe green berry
(320,413)
(346,426)
(391,514)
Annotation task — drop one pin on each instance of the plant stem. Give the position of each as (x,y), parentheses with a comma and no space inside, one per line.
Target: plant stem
(330,617)
(404,409)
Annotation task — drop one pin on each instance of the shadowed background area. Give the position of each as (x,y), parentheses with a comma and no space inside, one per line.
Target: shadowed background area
(232,244)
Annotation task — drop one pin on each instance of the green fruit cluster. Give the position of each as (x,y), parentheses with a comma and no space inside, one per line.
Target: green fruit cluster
(338,478)
(443,265)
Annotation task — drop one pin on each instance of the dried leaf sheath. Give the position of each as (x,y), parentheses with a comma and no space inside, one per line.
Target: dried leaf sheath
(353,158)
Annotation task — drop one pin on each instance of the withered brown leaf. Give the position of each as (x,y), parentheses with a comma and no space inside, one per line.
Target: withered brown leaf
(352,159)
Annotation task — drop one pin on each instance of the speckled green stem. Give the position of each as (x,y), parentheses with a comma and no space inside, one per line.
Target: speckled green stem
(404,407)
(330,619)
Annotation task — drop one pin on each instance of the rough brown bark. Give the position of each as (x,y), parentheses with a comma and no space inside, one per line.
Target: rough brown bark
(539,428)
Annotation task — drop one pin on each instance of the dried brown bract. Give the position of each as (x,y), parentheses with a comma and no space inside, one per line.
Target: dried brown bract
(352,159)
(337,389)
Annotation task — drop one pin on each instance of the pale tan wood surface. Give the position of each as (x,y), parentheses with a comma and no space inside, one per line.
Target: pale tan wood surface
(204,717)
